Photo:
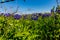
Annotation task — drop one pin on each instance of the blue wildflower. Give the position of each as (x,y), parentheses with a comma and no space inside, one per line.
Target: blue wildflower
(16,16)
(34,18)
(58,11)
(7,14)
(52,10)
(46,15)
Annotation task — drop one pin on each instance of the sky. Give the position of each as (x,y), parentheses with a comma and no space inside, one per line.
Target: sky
(29,6)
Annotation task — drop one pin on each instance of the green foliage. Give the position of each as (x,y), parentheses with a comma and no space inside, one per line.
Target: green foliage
(46,28)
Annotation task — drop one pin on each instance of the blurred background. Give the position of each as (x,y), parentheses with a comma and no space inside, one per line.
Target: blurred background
(27,6)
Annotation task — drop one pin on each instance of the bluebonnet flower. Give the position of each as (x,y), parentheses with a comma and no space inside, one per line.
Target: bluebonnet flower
(58,11)
(46,15)
(7,14)
(52,10)
(49,14)
(34,18)
(16,16)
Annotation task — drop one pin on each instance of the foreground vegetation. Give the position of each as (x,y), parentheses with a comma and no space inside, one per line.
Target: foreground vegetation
(35,27)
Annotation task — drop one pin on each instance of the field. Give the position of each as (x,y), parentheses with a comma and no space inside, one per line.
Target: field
(30,27)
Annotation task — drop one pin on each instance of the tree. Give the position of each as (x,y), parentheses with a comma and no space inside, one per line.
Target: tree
(4,1)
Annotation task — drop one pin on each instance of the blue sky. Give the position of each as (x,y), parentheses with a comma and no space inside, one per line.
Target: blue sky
(29,6)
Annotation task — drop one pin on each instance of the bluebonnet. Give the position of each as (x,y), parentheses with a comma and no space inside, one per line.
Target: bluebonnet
(58,11)
(34,18)
(16,16)
(46,15)
(7,14)
(52,10)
